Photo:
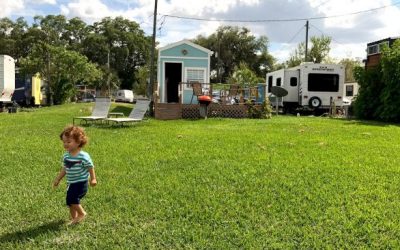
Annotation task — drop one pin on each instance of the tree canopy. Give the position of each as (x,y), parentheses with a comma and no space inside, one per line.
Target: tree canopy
(112,50)
(234,45)
(379,94)
(319,51)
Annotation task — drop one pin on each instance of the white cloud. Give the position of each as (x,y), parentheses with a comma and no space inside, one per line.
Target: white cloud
(350,33)
(10,6)
(87,10)
(38,2)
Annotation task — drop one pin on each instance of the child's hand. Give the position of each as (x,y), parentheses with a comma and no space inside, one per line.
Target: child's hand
(93,182)
(55,183)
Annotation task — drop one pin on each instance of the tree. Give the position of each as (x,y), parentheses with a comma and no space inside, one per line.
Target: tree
(119,44)
(350,65)
(367,103)
(62,69)
(379,94)
(390,95)
(243,76)
(142,79)
(297,57)
(319,51)
(234,45)
(7,44)
(52,28)
(76,31)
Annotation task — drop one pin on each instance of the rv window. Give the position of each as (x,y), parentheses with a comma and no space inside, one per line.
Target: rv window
(349,90)
(278,81)
(323,82)
(293,81)
(269,84)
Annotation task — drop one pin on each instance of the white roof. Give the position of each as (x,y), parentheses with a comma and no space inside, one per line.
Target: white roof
(188,43)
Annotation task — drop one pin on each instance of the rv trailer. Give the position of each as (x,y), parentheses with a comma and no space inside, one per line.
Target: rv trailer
(7,80)
(310,86)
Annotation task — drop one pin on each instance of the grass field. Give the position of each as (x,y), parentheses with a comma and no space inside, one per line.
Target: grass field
(283,183)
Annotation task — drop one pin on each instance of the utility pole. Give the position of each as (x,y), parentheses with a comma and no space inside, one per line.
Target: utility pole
(306,52)
(151,84)
(108,73)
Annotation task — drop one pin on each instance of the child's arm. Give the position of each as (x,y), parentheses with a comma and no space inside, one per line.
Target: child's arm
(59,177)
(93,180)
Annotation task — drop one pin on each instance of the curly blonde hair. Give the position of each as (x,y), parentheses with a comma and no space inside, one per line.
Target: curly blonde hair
(76,133)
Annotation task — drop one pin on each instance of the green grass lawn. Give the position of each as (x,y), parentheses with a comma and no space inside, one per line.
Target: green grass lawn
(285,183)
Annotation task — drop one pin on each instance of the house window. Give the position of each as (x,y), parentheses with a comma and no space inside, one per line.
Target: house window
(293,81)
(195,75)
(373,49)
(278,81)
(349,90)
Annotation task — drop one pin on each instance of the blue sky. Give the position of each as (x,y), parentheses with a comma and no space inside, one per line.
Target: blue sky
(350,33)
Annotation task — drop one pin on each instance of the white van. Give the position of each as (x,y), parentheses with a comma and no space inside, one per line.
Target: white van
(124,95)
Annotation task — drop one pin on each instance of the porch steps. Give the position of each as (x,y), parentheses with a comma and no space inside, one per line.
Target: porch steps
(168,111)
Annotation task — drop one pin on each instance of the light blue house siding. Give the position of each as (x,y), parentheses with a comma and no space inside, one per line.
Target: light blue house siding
(190,62)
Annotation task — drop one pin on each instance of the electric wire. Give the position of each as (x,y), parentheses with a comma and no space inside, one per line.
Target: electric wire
(279,20)
(323,33)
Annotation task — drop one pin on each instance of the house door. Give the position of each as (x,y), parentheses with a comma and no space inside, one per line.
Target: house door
(173,76)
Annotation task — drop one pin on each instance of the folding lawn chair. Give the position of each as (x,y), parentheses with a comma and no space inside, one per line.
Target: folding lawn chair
(197,90)
(136,115)
(100,111)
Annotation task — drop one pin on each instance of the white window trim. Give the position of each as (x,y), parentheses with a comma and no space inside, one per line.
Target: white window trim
(194,68)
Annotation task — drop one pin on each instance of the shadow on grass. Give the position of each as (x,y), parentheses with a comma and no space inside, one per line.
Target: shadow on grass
(370,123)
(129,125)
(121,109)
(31,233)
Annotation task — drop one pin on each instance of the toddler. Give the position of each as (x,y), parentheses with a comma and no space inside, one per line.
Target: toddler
(77,166)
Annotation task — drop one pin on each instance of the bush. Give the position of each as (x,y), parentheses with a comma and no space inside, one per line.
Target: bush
(379,94)
(265,112)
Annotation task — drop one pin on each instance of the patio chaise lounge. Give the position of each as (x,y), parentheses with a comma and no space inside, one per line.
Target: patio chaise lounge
(100,110)
(136,115)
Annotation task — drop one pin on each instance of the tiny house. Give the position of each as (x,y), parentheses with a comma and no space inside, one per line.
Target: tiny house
(28,89)
(181,62)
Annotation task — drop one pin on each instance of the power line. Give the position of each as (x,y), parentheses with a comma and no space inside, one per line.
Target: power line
(326,34)
(324,2)
(279,20)
(298,32)
(291,39)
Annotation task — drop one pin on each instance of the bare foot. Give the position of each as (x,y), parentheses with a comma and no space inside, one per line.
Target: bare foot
(69,223)
(78,219)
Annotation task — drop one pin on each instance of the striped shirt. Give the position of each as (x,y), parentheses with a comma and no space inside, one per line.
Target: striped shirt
(77,167)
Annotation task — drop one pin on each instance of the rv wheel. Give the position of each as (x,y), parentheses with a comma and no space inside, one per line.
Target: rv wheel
(315,102)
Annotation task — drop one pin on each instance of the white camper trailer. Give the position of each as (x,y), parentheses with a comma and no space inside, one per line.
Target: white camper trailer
(310,86)
(7,80)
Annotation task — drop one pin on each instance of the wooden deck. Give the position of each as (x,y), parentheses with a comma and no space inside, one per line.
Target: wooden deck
(173,111)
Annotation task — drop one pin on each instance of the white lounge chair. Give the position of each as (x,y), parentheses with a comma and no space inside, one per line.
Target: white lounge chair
(100,110)
(136,115)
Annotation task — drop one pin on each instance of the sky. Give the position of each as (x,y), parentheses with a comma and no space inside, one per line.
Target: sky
(350,23)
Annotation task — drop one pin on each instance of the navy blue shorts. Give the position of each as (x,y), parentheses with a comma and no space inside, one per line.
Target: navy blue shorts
(76,191)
